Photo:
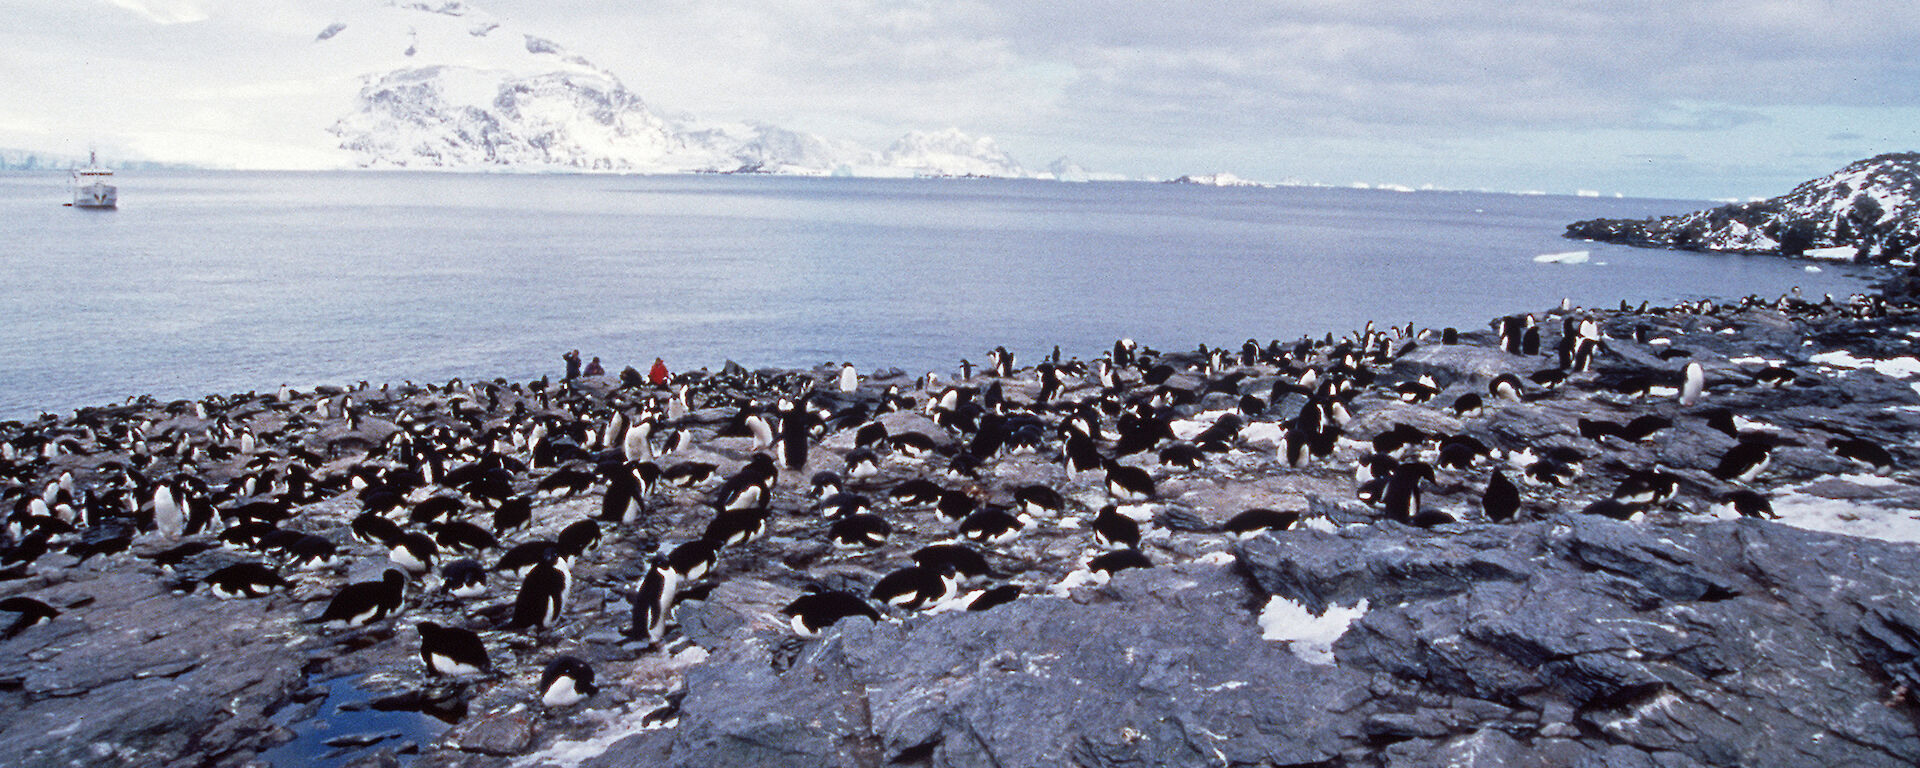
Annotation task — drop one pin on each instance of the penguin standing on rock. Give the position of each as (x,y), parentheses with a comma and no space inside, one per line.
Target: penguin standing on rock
(1402,494)
(543,594)
(1693,384)
(794,436)
(1502,498)
(652,602)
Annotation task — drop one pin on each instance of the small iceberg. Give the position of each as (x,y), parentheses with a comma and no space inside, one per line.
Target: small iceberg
(1569,257)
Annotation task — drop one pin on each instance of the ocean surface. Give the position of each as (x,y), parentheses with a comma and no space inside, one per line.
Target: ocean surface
(208,282)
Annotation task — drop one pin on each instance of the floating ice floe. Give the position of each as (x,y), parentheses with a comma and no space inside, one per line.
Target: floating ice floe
(1567,257)
(1310,637)
(1812,268)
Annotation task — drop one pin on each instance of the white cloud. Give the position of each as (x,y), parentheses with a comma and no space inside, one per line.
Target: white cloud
(1416,92)
(166,11)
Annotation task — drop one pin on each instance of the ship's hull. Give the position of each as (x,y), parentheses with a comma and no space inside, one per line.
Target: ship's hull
(96,195)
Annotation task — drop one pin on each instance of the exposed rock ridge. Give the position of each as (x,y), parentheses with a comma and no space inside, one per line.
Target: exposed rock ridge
(1868,206)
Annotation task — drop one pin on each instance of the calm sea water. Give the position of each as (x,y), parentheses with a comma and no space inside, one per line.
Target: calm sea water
(226,282)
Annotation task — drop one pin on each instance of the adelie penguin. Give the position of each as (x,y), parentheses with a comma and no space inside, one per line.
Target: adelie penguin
(364,602)
(1867,453)
(652,601)
(1501,500)
(1401,496)
(1743,462)
(543,594)
(1128,483)
(244,580)
(993,525)
(452,651)
(693,559)
(915,587)
(1112,530)
(1118,560)
(464,578)
(1257,521)
(954,558)
(1505,386)
(414,553)
(814,612)
(29,612)
(860,530)
(1693,384)
(566,681)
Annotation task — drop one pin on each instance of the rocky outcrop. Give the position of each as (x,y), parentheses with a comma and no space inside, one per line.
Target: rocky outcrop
(1867,207)
(1576,640)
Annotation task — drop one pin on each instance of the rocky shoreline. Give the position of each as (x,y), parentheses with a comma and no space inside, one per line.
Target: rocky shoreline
(1591,627)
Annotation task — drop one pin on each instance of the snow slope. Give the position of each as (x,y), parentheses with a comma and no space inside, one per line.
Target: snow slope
(1867,206)
(445,85)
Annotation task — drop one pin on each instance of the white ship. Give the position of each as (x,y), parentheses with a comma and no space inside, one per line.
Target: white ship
(90,187)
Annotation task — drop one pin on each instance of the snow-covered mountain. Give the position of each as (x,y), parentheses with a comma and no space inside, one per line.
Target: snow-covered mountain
(1866,210)
(950,153)
(451,87)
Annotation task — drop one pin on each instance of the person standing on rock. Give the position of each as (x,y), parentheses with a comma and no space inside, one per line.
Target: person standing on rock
(659,376)
(573,364)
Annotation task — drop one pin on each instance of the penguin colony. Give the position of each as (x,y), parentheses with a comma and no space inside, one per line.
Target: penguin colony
(484,526)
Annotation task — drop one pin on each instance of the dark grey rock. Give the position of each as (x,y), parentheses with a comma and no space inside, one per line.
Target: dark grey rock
(508,733)
(1575,640)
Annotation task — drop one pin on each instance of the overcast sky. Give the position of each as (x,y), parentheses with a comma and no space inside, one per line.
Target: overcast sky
(1701,99)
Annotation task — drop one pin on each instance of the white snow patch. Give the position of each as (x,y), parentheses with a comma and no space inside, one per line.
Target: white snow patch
(1836,253)
(1222,557)
(1263,433)
(1848,517)
(1077,579)
(1187,429)
(613,727)
(1896,367)
(1310,637)
(1754,361)
(1139,512)
(1567,257)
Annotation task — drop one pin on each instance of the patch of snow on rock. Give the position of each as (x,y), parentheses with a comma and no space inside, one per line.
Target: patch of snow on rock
(1310,637)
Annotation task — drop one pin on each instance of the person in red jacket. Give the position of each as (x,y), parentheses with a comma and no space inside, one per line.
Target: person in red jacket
(659,376)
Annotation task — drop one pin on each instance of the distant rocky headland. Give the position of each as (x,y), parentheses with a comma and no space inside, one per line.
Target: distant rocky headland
(1864,212)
